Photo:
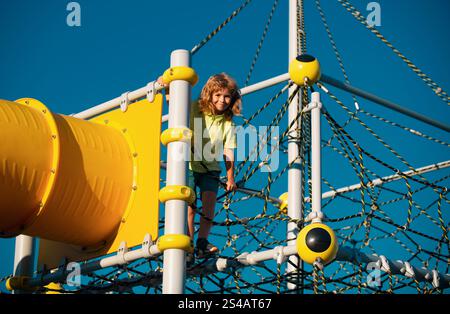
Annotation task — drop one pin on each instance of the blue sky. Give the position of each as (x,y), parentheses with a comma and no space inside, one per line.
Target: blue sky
(122,45)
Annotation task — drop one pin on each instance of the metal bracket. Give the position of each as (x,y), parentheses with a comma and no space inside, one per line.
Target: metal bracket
(435,278)
(279,255)
(384,264)
(151,91)
(146,244)
(222,264)
(408,270)
(311,106)
(245,258)
(242,258)
(124,101)
(121,253)
(315,217)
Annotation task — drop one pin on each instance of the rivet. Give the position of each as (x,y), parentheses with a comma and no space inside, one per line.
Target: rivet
(106,121)
(53,171)
(134,187)
(54,136)
(124,130)
(135,155)
(44,110)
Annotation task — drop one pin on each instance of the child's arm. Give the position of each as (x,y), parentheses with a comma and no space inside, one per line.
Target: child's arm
(229,165)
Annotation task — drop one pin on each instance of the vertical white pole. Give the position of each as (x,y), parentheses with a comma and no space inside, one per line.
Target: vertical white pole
(316,165)
(175,210)
(294,172)
(23,257)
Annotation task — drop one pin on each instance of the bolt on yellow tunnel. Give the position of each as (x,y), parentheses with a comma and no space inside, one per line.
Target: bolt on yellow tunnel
(81,186)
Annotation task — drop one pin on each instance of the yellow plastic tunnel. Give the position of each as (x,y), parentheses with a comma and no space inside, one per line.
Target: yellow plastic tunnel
(61,178)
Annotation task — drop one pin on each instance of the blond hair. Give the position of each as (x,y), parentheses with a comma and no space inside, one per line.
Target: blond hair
(216,83)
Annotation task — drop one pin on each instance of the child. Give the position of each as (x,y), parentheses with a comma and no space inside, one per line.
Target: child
(213,133)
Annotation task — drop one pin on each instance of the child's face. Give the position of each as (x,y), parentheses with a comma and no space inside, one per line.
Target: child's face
(221,100)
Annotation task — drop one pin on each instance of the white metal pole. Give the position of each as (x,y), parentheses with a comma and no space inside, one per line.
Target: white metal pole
(316,165)
(113,103)
(176,210)
(85,268)
(278,253)
(23,257)
(264,84)
(294,172)
(383,180)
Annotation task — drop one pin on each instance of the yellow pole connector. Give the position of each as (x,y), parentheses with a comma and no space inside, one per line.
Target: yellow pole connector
(175,241)
(304,69)
(177,192)
(317,241)
(53,288)
(19,283)
(61,178)
(284,202)
(180,73)
(176,134)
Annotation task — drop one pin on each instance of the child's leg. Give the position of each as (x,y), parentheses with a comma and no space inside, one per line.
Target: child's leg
(191,216)
(208,205)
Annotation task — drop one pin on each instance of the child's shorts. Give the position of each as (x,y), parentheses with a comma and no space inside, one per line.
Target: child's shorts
(204,181)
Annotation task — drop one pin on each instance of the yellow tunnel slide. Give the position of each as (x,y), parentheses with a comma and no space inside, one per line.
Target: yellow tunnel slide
(61,178)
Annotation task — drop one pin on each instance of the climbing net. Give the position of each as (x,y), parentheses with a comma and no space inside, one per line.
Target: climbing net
(405,218)
(388,207)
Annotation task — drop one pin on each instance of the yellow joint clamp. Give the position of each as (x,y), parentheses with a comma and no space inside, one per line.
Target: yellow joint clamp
(175,241)
(176,134)
(19,283)
(177,192)
(284,202)
(180,73)
(54,288)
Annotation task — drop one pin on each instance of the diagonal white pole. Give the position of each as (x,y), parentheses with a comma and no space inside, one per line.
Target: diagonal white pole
(384,102)
(383,180)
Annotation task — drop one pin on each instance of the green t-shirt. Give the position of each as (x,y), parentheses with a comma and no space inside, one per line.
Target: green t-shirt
(211,134)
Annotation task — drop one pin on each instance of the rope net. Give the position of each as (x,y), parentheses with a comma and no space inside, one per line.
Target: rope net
(405,219)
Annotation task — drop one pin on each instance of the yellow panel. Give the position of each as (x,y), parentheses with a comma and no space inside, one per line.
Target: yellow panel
(141,127)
